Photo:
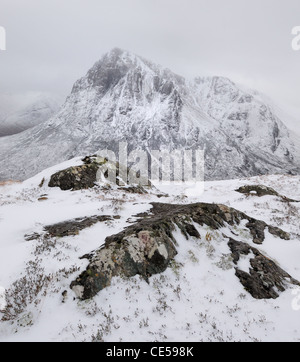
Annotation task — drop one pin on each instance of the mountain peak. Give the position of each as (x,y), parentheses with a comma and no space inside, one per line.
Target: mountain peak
(115,56)
(108,71)
(117,52)
(125,97)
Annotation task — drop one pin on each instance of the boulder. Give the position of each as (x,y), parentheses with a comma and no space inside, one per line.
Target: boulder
(77,177)
(95,170)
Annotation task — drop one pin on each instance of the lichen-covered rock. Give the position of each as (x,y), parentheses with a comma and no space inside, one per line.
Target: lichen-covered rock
(77,177)
(148,246)
(140,253)
(96,169)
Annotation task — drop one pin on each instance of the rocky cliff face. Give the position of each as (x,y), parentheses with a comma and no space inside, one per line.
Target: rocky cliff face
(125,97)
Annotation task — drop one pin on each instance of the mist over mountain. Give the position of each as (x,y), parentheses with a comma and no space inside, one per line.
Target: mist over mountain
(23,111)
(125,97)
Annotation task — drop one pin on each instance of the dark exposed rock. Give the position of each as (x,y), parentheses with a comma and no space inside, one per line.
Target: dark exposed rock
(42,182)
(85,176)
(215,216)
(278,232)
(143,252)
(262,190)
(192,231)
(77,177)
(89,159)
(259,190)
(148,246)
(265,278)
(71,227)
(30,237)
(257,230)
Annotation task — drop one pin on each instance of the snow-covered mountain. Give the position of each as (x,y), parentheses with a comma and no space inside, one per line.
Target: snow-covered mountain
(125,97)
(25,111)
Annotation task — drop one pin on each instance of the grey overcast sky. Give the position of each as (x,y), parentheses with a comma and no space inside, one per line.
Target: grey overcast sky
(51,43)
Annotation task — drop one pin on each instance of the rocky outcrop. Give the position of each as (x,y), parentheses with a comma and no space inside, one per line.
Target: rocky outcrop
(262,190)
(95,170)
(216,216)
(148,246)
(77,177)
(265,279)
(71,227)
(143,253)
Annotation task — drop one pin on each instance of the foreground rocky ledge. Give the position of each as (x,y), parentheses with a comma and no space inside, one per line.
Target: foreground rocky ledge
(148,246)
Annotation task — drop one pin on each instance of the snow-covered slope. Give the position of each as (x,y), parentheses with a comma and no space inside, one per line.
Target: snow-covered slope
(198,298)
(25,111)
(125,97)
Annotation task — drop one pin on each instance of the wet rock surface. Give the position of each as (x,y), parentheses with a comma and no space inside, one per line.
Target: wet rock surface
(148,246)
